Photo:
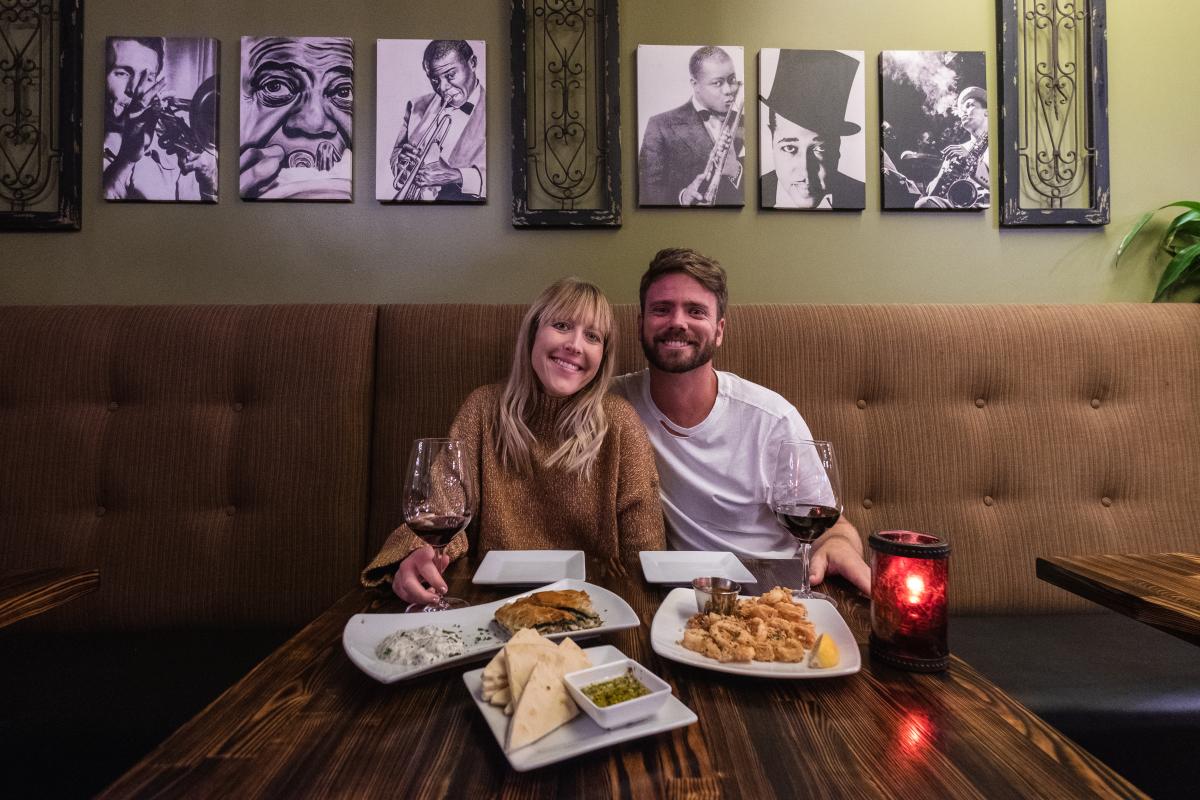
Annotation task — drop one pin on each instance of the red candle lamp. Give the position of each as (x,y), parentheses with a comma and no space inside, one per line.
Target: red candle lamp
(909,578)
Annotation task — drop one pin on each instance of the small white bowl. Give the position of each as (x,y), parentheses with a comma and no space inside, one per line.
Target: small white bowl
(627,711)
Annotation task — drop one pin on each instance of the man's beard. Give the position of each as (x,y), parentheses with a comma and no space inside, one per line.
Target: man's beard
(702,355)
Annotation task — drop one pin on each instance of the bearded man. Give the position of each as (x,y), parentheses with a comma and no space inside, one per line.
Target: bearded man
(716,435)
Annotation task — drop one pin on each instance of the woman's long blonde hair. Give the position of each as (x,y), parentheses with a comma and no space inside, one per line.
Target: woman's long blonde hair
(581,425)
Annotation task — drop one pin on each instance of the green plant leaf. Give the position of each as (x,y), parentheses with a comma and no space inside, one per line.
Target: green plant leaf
(1194,205)
(1141,223)
(1172,277)
(1186,224)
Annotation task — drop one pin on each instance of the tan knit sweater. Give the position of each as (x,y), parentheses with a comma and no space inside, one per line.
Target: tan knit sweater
(615,513)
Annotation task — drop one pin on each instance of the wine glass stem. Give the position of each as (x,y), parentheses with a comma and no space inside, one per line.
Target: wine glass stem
(804,554)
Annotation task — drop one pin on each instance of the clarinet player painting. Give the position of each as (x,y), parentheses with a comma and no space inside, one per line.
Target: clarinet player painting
(934,130)
(691,125)
(431,121)
(297,102)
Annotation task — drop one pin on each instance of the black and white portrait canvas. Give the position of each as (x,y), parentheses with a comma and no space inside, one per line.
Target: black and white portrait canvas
(297,104)
(431,121)
(691,125)
(934,130)
(812,108)
(161,98)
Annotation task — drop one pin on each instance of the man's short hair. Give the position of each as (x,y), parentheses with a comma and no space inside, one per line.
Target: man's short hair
(440,47)
(702,55)
(708,272)
(155,43)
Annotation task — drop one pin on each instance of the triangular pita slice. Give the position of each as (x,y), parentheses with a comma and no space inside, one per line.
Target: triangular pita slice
(496,668)
(573,656)
(501,697)
(544,705)
(526,636)
(522,658)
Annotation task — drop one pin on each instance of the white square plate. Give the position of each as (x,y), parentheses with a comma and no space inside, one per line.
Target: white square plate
(667,629)
(477,626)
(681,566)
(580,735)
(530,567)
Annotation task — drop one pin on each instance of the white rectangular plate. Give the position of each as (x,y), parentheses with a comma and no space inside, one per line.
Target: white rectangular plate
(681,566)
(530,567)
(667,629)
(580,735)
(365,631)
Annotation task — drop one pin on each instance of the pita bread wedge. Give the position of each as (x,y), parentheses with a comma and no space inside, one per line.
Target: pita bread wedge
(522,658)
(501,697)
(526,636)
(496,668)
(544,705)
(573,656)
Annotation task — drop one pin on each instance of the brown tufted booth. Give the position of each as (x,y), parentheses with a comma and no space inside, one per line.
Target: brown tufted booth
(1015,431)
(230,468)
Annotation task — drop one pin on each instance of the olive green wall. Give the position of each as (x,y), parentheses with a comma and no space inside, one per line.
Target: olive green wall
(367,252)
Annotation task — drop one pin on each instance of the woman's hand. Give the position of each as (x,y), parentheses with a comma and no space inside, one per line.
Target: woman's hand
(420,565)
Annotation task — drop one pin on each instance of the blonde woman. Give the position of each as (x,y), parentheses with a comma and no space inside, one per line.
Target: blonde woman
(560,462)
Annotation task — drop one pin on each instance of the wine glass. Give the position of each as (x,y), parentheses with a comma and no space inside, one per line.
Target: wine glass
(806,496)
(437,501)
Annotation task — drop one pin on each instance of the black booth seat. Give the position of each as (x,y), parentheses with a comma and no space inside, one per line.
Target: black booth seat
(1126,692)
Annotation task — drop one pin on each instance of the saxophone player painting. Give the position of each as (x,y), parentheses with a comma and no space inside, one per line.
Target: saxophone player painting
(934,130)
(691,154)
(431,121)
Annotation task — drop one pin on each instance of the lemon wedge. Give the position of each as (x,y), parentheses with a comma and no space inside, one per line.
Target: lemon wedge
(824,653)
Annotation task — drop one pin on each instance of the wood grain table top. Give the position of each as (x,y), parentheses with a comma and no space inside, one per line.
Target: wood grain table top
(26,594)
(307,723)
(1159,589)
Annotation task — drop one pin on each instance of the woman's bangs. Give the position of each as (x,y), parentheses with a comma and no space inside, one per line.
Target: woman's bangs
(582,306)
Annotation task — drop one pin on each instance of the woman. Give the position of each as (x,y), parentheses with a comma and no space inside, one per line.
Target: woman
(560,463)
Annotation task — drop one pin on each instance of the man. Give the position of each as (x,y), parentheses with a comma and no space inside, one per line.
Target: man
(716,435)
(964,180)
(297,118)
(805,118)
(455,169)
(678,143)
(140,163)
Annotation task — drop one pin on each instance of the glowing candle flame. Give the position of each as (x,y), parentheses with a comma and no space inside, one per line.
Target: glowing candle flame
(916,588)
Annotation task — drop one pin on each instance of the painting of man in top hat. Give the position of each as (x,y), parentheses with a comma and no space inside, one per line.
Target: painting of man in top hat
(811,116)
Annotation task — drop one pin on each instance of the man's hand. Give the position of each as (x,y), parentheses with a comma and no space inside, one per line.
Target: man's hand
(205,166)
(438,173)
(420,565)
(139,120)
(691,196)
(259,167)
(839,552)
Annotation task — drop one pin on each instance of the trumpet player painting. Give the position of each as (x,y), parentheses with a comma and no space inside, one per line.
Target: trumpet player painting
(160,119)
(812,108)
(691,125)
(934,130)
(431,121)
(297,103)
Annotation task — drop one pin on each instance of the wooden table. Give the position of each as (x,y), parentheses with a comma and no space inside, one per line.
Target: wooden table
(306,722)
(1162,590)
(25,594)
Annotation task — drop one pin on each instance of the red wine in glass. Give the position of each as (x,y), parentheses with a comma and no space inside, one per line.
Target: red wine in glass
(805,495)
(437,530)
(806,522)
(438,500)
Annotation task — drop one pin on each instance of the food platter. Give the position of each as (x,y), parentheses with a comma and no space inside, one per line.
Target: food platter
(580,735)
(667,629)
(529,567)
(681,566)
(476,625)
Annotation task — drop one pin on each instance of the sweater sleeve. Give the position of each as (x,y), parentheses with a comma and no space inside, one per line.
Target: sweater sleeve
(639,510)
(468,427)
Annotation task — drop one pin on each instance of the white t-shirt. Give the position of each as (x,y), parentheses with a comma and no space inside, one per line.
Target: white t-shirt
(714,476)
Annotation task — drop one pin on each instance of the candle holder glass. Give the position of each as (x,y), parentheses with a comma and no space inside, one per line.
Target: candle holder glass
(909,579)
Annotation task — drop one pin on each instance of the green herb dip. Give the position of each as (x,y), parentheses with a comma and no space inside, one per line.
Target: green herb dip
(615,690)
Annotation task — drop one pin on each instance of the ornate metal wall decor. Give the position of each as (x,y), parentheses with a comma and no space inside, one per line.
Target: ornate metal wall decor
(566,113)
(41,44)
(1055,122)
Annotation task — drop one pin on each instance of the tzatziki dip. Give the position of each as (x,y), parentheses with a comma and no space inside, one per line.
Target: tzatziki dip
(428,644)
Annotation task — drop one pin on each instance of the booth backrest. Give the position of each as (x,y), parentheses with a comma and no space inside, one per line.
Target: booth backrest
(1014,431)
(211,461)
